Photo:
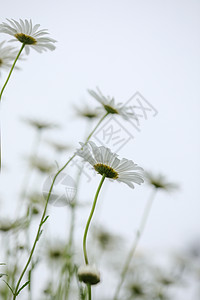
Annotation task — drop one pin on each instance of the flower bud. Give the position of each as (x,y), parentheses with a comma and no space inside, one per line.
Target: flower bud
(89,274)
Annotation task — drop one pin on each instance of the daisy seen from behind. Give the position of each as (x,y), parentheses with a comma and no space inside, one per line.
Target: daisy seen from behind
(29,36)
(109,166)
(111,107)
(107,163)
(160,182)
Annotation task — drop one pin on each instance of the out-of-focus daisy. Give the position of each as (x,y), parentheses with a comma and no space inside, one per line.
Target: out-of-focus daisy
(7,56)
(36,203)
(7,225)
(159,182)
(111,107)
(87,112)
(39,125)
(105,239)
(29,35)
(107,163)
(137,289)
(41,165)
(58,146)
(55,250)
(36,198)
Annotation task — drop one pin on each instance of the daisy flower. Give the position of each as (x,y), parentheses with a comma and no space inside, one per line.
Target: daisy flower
(58,146)
(39,125)
(7,56)
(87,112)
(111,107)
(108,164)
(159,182)
(29,35)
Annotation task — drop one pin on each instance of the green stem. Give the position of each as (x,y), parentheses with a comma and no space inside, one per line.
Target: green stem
(39,228)
(89,292)
(20,51)
(45,209)
(95,128)
(70,244)
(90,218)
(135,243)
(72,223)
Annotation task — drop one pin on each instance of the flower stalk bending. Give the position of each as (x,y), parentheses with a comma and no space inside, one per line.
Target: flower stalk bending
(90,218)
(87,228)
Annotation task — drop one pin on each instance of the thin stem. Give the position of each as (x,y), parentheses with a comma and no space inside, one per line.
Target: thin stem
(72,226)
(69,245)
(28,173)
(39,228)
(90,218)
(45,209)
(135,242)
(88,138)
(20,51)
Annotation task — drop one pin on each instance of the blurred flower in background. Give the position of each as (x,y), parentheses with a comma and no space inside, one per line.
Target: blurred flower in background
(7,56)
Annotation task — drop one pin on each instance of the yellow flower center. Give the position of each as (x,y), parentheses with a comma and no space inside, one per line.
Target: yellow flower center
(110,109)
(25,39)
(108,171)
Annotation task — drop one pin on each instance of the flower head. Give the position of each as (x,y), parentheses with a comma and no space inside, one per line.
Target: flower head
(41,165)
(7,56)
(39,125)
(111,107)
(105,239)
(56,251)
(107,163)
(58,146)
(159,182)
(27,34)
(87,112)
(89,274)
(7,225)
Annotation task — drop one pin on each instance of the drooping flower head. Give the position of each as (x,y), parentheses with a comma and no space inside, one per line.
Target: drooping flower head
(107,163)
(7,56)
(27,34)
(111,107)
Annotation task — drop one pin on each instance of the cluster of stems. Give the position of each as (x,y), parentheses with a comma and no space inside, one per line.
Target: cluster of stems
(18,288)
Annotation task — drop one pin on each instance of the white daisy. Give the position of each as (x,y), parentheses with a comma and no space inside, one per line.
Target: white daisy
(7,56)
(107,163)
(28,34)
(87,112)
(159,182)
(111,107)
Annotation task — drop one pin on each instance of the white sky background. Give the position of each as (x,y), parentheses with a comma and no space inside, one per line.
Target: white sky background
(122,46)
